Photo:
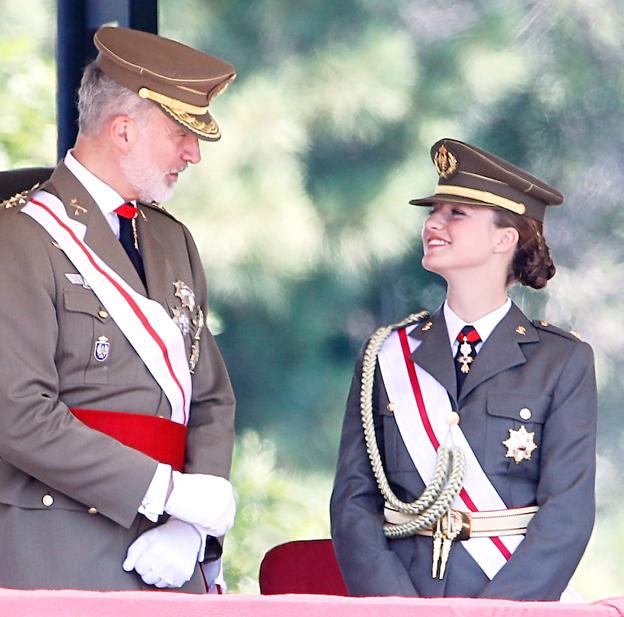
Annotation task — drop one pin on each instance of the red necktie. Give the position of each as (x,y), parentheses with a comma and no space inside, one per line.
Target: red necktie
(127,210)
(466,353)
(127,213)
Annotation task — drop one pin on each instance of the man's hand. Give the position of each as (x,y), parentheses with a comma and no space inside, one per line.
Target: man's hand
(203,500)
(165,556)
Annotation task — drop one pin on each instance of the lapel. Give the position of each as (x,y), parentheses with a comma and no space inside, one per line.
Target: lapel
(502,350)
(434,352)
(81,207)
(158,271)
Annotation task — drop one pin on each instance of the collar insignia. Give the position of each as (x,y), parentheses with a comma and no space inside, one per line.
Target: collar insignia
(78,209)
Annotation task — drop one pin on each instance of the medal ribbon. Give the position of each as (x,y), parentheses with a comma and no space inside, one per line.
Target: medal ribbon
(144,322)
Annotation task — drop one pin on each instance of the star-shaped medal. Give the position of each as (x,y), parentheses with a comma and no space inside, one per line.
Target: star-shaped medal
(520,444)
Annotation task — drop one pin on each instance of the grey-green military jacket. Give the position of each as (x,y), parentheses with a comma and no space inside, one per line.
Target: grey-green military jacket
(69,494)
(521,365)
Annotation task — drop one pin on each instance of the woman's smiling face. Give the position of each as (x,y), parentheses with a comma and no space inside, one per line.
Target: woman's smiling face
(458,238)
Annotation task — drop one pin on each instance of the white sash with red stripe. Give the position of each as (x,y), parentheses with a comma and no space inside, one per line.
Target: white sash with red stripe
(421,411)
(422,408)
(144,322)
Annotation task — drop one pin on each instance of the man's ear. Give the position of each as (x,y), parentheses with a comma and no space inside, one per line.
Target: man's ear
(123,131)
(506,239)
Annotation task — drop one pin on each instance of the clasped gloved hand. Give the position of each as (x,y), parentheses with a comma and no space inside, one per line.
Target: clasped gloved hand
(165,556)
(204,500)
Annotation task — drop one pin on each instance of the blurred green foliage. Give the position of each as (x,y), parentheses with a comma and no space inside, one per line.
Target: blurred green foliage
(275,506)
(301,213)
(27,84)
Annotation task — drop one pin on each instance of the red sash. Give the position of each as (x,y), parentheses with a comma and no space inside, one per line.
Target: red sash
(155,436)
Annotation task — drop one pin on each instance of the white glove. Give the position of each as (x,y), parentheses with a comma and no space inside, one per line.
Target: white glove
(166,555)
(203,500)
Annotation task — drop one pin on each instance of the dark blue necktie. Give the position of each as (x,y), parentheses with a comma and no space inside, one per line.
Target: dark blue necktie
(127,212)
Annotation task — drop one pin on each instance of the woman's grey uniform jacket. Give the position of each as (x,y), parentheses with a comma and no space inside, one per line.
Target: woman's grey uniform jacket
(521,365)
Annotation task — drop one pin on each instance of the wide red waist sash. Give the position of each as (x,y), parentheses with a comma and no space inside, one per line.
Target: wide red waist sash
(155,436)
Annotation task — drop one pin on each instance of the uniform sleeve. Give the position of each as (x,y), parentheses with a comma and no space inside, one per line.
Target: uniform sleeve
(210,437)
(38,434)
(368,565)
(556,538)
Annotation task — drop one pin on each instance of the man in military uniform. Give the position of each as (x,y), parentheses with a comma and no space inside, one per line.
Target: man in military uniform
(116,423)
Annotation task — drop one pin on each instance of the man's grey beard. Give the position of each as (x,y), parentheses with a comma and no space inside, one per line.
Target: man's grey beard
(149,182)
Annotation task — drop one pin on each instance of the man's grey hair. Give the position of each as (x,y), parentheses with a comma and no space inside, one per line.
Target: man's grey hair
(100,97)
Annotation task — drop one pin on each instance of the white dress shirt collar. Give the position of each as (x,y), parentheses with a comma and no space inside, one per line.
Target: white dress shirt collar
(104,196)
(484,326)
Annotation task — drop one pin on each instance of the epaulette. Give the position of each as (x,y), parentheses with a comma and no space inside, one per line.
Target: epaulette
(19,199)
(158,207)
(542,324)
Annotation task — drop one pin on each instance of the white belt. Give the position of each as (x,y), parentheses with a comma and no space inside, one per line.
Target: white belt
(491,523)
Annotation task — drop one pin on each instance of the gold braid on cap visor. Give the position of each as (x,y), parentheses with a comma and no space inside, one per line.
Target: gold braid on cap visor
(207,130)
(487,197)
(175,104)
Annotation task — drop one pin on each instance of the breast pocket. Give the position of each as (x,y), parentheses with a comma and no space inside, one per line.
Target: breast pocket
(516,419)
(86,336)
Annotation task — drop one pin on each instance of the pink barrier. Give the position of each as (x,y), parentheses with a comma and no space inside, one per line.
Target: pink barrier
(15,603)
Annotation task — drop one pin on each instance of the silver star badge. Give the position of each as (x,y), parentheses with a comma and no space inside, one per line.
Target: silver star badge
(520,444)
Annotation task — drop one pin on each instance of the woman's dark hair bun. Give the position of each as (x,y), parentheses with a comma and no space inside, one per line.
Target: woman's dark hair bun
(532,263)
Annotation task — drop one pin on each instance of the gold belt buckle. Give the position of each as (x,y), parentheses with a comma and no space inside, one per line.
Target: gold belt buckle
(460,520)
(454,525)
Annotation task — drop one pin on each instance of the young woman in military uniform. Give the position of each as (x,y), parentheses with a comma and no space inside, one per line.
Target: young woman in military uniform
(467,458)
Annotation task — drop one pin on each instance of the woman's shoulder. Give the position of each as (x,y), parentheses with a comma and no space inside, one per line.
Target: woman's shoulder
(551,329)
(564,343)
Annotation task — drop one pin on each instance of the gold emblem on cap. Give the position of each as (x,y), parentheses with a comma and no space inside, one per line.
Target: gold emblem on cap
(520,445)
(445,162)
